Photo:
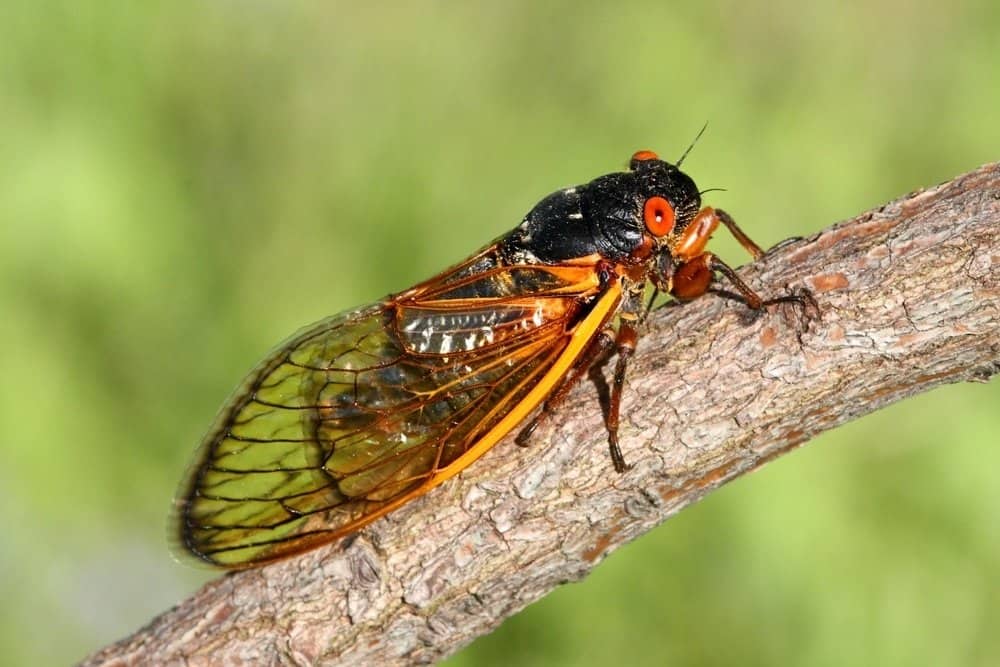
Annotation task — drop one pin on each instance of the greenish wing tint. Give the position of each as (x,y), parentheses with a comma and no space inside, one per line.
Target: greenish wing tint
(364,408)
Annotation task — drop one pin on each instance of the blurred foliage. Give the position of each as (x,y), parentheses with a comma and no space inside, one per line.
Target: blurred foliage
(183,184)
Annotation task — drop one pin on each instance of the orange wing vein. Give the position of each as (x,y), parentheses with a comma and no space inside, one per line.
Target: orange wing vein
(359,413)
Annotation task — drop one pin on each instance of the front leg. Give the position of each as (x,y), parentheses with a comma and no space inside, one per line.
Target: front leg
(696,267)
(693,278)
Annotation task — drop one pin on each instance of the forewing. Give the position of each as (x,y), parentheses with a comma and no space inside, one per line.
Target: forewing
(364,409)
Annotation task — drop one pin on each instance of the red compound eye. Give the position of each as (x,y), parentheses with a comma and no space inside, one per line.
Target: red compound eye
(658,215)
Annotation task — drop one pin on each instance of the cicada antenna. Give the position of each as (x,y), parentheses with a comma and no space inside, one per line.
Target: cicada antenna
(697,137)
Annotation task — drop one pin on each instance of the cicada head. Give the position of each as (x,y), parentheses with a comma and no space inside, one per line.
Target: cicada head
(666,199)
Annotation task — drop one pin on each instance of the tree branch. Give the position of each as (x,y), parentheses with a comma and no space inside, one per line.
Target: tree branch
(909,297)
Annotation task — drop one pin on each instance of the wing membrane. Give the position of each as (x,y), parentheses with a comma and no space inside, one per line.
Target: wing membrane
(364,410)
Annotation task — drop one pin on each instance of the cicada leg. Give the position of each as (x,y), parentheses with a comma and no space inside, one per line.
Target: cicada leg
(755,250)
(696,267)
(693,278)
(598,350)
(625,346)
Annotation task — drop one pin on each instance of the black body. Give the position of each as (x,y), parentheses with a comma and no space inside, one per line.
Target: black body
(603,216)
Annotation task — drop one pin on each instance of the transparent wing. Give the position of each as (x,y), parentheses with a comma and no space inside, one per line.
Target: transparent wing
(361,411)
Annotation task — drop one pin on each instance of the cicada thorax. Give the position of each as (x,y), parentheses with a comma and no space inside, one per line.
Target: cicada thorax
(363,411)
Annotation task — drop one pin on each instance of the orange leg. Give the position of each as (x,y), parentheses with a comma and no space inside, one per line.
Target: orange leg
(595,353)
(695,236)
(744,240)
(696,267)
(693,279)
(594,358)
(625,344)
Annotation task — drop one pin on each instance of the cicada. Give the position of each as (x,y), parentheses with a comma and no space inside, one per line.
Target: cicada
(364,411)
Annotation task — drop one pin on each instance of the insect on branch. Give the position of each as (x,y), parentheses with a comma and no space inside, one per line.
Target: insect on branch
(709,397)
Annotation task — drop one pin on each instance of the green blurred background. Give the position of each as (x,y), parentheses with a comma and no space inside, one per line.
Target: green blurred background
(183,184)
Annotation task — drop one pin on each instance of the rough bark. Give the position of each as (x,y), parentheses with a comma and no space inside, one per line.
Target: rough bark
(909,296)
